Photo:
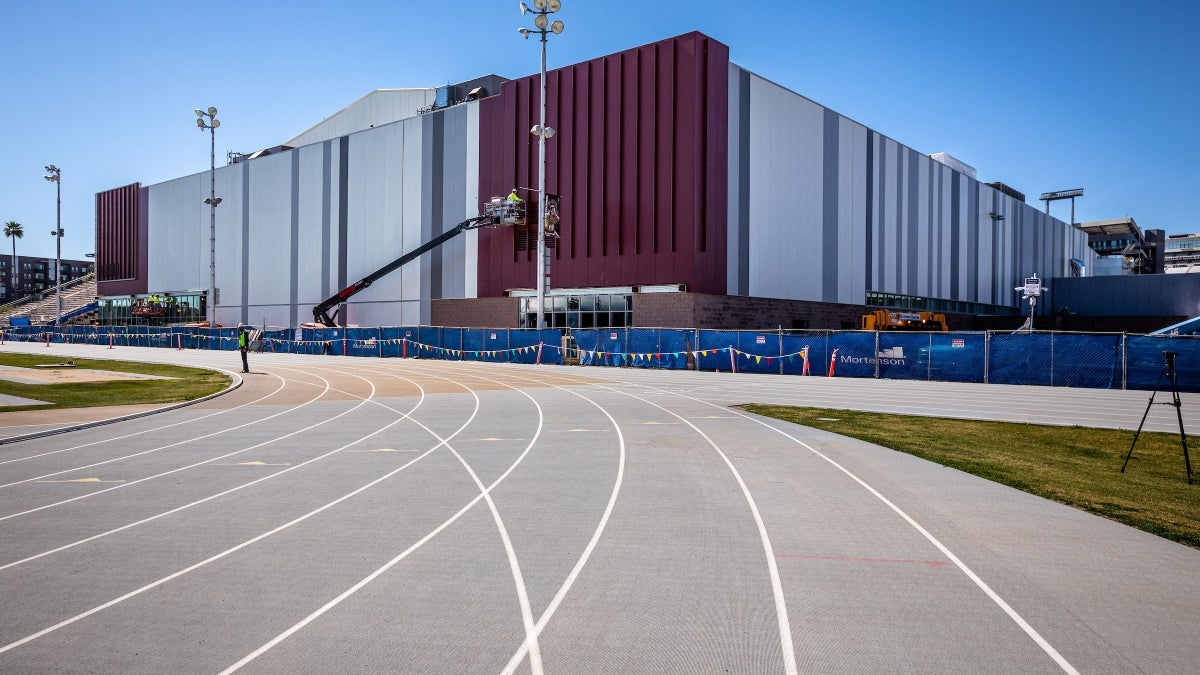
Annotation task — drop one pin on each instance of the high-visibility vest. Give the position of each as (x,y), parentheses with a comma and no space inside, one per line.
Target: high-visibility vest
(242,340)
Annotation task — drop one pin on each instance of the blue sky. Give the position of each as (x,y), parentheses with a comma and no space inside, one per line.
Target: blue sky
(1040,95)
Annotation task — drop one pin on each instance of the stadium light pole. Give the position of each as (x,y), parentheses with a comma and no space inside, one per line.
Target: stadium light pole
(207,119)
(543,27)
(54,175)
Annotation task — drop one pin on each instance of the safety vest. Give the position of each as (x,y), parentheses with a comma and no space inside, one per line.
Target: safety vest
(242,340)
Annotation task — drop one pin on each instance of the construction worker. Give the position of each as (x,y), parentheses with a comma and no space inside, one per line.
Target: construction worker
(243,346)
(512,197)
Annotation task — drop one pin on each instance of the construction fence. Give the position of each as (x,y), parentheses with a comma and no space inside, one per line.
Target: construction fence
(1105,361)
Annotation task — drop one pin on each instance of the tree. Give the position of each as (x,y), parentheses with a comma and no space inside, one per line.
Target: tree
(13,229)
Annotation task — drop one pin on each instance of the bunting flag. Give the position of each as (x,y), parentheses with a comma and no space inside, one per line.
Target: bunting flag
(804,353)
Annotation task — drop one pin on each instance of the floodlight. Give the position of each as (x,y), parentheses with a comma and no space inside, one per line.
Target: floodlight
(525,9)
(557,27)
(553,5)
(541,21)
(216,123)
(200,123)
(524,32)
(212,111)
(199,112)
(540,4)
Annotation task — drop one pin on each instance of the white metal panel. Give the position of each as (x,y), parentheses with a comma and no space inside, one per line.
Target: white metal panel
(945,178)
(852,153)
(889,226)
(412,278)
(376,109)
(472,202)
(177,240)
(229,244)
(311,235)
(269,232)
(786,163)
(923,226)
(374,235)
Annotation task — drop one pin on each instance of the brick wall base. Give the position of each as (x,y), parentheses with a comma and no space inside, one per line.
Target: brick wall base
(474,312)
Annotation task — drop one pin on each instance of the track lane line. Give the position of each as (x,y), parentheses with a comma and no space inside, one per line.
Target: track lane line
(979,582)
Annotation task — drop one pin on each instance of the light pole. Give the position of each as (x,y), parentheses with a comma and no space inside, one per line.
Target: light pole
(543,26)
(54,175)
(212,200)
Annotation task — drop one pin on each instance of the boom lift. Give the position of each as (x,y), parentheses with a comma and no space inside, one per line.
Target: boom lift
(498,211)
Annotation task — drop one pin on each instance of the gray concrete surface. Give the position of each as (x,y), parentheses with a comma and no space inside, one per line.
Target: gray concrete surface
(366,516)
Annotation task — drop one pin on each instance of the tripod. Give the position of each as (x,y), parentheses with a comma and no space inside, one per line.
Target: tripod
(1168,371)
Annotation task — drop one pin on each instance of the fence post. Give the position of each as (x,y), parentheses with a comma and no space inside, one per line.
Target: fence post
(1124,361)
(929,361)
(987,354)
(780,349)
(732,363)
(876,356)
(1051,358)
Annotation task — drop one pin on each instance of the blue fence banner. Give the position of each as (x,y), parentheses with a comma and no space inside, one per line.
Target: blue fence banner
(1147,362)
(1048,359)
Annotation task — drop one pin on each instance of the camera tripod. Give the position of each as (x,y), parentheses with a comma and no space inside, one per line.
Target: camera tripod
(1168,371)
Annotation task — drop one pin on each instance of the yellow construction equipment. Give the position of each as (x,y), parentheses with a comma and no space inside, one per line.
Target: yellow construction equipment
(882,319)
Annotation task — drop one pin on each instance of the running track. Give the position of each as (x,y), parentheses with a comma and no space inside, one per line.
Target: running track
(359,515)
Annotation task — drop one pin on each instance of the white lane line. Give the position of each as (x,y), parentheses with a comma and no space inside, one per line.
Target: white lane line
(198,501)
(282,384)
(781,614)
(189,466)
(565,588)
(270,644)
(152,450)
(248,542)
(1029,630)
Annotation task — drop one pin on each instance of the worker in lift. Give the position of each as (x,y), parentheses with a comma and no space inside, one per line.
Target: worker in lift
(512,197)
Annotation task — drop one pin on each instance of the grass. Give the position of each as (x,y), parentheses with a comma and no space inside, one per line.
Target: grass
(189,383)
(1076,466)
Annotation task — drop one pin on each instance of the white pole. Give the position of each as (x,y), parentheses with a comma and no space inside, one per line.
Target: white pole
(541,228)
(212,228)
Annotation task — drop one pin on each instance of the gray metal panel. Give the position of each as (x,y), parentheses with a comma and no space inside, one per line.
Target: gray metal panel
(376,109)
(786,148)
(829,205)
(313,219)
(177,243)
(265,264)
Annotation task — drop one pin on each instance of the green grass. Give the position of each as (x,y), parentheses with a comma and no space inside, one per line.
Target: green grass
(189,383)
(1076,466)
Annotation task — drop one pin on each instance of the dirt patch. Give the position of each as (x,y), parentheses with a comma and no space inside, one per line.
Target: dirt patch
(68,374)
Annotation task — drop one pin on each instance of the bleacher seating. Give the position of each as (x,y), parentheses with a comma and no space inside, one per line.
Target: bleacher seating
(75,294)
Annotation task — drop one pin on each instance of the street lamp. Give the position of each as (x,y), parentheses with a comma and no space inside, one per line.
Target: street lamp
(543,26)
(212,200)
(54,175)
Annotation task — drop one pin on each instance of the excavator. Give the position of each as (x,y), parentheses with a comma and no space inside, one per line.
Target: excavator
(496,212)
(882,319)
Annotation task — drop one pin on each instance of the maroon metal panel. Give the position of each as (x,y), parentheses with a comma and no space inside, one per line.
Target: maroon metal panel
(121,240)
(640,159)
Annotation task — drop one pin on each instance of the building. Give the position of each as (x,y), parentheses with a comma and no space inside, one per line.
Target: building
(35,275)
(1182,253)
(1123,248)
(693,193)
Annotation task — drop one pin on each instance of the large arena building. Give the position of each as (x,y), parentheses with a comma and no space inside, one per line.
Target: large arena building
(693,193)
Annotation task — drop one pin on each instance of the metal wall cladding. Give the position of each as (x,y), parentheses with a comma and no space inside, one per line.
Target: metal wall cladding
(639,159)
(121,256)
(825,209)
(380,107)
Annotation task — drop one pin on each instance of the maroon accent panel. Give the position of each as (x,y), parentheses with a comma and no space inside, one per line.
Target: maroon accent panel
(640,158)
(122,237)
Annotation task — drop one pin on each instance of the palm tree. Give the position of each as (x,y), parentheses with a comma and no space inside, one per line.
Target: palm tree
(13,229)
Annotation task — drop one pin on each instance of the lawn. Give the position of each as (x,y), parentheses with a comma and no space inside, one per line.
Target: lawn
(188,384)
(1076,466)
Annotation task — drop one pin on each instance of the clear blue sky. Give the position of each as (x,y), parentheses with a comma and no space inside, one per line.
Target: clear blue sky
(1040,95)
